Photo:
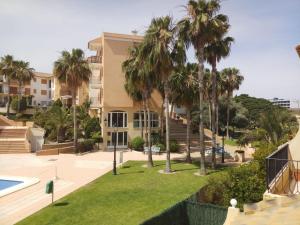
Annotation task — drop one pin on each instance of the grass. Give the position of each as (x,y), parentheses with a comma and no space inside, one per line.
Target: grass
(232,142)
(134,195)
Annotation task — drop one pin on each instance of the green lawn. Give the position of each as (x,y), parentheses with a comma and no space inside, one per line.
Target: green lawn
(231,142)
(129,198)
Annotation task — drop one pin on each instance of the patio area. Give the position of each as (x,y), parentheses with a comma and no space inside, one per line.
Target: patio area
(71,171)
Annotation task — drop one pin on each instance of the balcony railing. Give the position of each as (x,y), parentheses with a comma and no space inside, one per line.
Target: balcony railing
(94,59)
(282,172)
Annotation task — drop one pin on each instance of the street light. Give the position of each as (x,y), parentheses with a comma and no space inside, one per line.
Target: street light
(114,137)
(223,146)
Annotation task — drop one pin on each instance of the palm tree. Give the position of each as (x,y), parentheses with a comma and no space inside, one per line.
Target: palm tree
(22,72)
(72,69)
(232,81)
(60,119)
(201,26)
(183,84)
(6,69)
(159,47)
(213,53)
(139,85)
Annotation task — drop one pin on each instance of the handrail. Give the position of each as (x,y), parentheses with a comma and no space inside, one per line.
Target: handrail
(281,171)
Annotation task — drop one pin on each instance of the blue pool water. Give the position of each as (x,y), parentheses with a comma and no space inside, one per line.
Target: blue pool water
(8,183)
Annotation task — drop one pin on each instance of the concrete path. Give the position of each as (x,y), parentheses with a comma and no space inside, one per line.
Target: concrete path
(295,145)
(72,172)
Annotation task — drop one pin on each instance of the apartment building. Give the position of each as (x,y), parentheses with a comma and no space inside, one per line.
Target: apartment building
(118,113)
(281,102)
(41,88)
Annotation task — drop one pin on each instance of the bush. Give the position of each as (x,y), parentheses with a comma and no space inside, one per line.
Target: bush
(15,104)
(96,136)
(174,146)
(245,184)
(86,145)
(161,146)
(213,192)
(92,126)
(137,143)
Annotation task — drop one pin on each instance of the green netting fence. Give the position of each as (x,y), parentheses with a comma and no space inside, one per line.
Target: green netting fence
(189,212)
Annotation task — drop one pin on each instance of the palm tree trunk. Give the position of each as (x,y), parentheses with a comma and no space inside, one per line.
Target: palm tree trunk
(227,115)
(168,161)
(19,96)
(188,138)
(201,127)
(209,114)
(171,112)
(217,115)
(145,121)
(162,121)
(140,123)
(8,102)
(74,119)
(213,116)
(150,161)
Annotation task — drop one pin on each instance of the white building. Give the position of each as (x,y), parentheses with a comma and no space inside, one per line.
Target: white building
(281,102)
(42,89)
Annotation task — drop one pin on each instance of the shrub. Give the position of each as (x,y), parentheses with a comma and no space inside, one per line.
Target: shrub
(86,145)
(246,184)
(15,104)
(92,126)
(96,136)
(174,146)
(161,146)
(213,192)
(137,143)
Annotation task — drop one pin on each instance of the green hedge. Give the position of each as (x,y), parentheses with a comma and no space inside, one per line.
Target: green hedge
(190,213)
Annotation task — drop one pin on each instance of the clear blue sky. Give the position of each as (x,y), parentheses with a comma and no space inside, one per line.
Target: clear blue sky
(266,33)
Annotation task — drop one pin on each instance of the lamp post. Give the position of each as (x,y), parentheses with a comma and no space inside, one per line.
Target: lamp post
(223,145)
(114,137)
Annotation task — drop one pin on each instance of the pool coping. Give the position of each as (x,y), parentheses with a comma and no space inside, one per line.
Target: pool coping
(27,181)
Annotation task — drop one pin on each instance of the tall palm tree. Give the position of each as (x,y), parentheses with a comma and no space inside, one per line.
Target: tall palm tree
(6,69)
(183,84)
(22,72)
(201,26)
(159,46)
(72,69)
(213,53)
(139,85)
(232,81)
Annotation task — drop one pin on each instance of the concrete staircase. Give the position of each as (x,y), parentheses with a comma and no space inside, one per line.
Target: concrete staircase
(13,140)
(178,133)
(271,210)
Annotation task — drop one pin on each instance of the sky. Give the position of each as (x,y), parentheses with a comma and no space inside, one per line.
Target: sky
(265,32)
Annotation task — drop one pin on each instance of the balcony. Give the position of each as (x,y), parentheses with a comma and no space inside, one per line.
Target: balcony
(94,59)
(95,102)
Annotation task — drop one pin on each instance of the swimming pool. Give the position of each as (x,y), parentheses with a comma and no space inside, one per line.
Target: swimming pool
(8,183)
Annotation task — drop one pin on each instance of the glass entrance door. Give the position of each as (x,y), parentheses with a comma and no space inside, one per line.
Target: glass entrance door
(120,137)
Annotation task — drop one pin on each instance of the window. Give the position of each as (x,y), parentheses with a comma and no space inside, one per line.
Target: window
(49,84)
(43,92)
(44,81)
(119,138)
(49,94)
(27,91)
(34,91)
(154,119)
(117,118)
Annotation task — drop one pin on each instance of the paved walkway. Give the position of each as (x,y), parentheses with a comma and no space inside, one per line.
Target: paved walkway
(295,145)
(72,172)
